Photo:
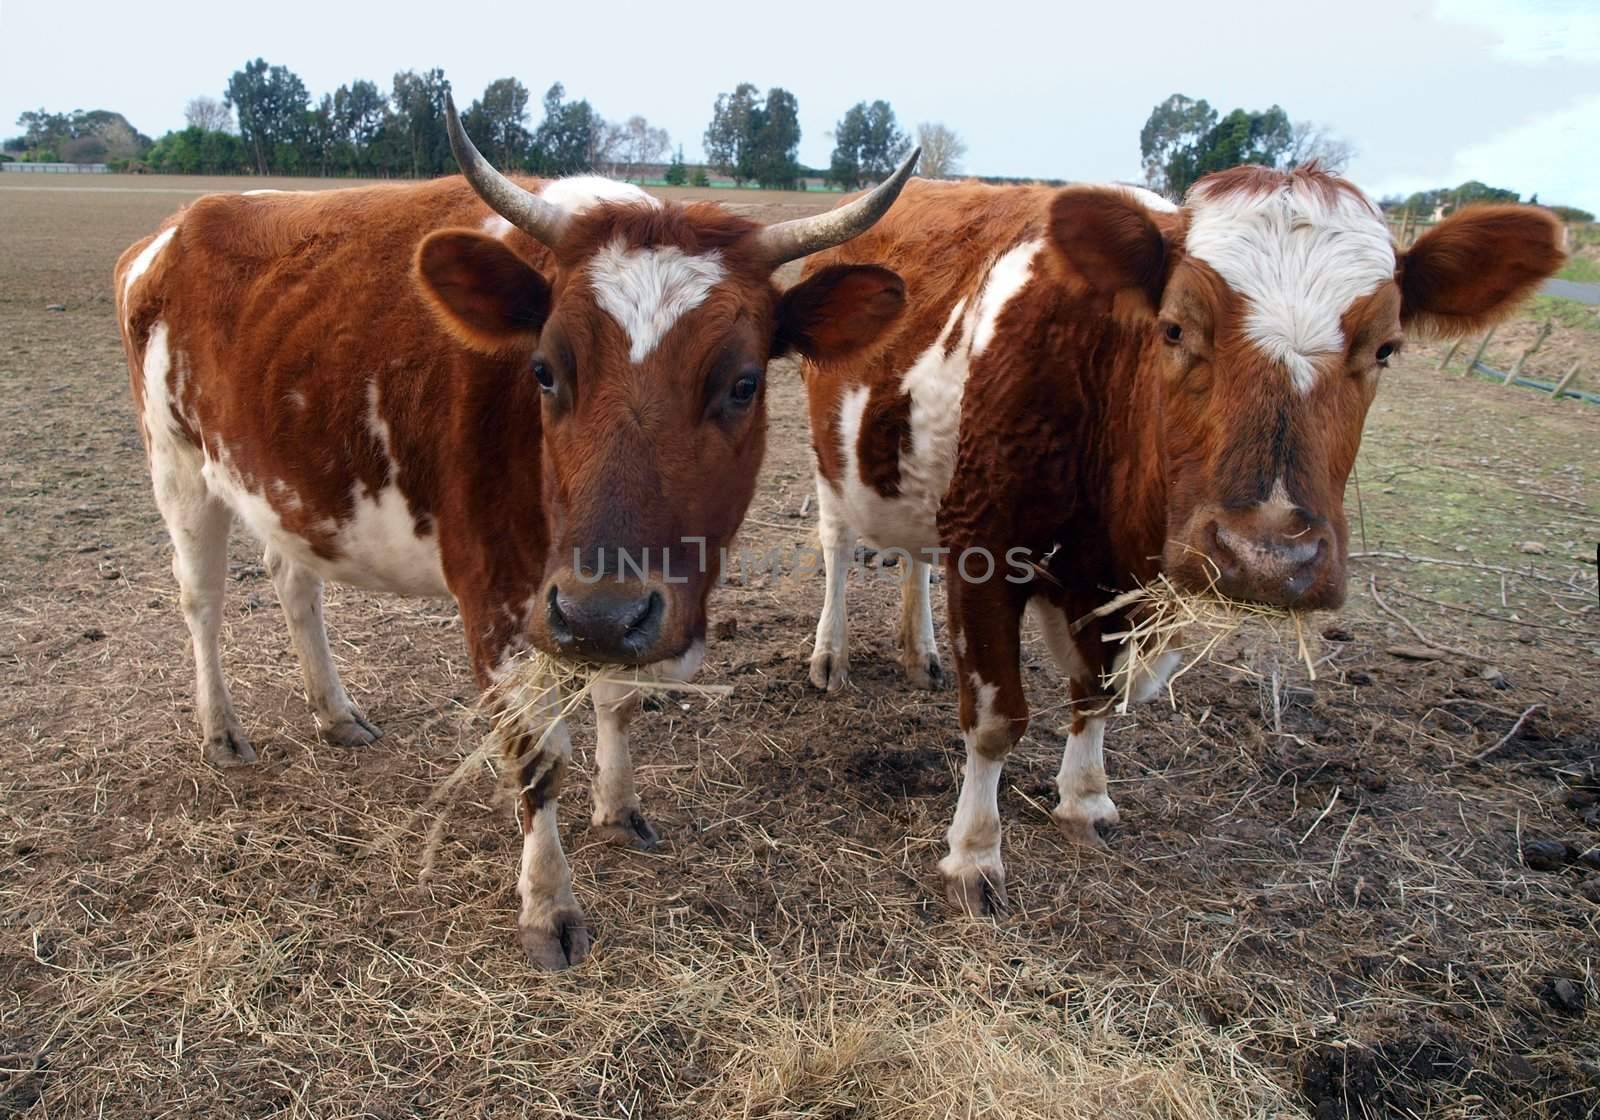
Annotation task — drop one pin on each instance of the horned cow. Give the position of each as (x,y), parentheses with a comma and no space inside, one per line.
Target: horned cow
(1092,386)
(485,390)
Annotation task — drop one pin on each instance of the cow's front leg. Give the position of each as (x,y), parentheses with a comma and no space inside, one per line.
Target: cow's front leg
(984,621)
(1085,809)
(617,816)
(830,656)
(550,925)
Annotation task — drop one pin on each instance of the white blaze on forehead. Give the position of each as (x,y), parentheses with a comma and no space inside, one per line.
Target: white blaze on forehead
(647,290)
(1299,257)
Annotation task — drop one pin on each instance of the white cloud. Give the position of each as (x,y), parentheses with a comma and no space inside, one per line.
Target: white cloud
(1553,155)
(1533,31)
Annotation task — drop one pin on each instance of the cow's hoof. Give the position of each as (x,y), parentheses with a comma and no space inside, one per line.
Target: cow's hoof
(229,747)
(923,670)
(829,671)
(631,829)
(559,941)
(351,730)
(1089,821)
(978,892)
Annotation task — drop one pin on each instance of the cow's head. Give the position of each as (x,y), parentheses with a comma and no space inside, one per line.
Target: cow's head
(1270,304)
(649,337)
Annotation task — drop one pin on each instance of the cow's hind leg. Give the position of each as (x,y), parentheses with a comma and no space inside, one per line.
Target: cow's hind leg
(198,524)
(300,592)
(830,657)
(919,654)
(618,817)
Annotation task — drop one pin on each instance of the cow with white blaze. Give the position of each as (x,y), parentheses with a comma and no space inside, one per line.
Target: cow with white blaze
(1092,387)
(545,400)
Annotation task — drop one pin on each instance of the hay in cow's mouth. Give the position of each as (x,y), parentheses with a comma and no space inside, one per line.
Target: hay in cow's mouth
(1164,618)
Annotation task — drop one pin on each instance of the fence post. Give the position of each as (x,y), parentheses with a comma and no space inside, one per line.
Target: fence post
(1444,363)
(1566,379)
(1478,357)
(1538,341)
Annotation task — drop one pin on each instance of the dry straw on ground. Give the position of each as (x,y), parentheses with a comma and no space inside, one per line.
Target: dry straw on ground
(529,699)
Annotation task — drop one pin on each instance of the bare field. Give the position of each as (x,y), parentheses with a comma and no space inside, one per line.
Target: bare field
(1315,907)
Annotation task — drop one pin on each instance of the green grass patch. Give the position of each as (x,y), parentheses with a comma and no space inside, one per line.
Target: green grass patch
(1566,312)
(1582,269)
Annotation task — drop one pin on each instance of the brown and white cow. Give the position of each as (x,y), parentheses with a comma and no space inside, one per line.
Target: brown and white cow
(1108,386)
(545,401)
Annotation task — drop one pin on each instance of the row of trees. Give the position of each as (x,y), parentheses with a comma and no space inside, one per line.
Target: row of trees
(1473,190)
(268,123)
(1184,139)
(94,136)
(755,138)
(358,129)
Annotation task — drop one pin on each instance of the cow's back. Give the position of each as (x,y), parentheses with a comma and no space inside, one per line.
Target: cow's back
(281,337)
(941,238)
(886,424)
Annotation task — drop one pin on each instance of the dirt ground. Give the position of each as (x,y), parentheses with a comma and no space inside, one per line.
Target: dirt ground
(1320,904)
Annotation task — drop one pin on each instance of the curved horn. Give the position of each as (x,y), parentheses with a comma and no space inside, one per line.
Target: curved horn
(523,209)
(800,237)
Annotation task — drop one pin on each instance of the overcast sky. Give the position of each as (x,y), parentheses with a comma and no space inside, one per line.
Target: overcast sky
(1431,92)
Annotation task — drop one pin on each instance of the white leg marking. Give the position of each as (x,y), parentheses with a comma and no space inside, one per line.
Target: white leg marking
(198,525)
(919,654)
(974,874)
(830,657)
(1081,782)
(300,594)
(617,813)
(550,924)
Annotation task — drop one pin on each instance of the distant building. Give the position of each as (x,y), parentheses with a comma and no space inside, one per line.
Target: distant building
(19,167)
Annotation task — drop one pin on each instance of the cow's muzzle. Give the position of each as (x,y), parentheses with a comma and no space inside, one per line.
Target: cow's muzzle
(606,621)
(1282,557)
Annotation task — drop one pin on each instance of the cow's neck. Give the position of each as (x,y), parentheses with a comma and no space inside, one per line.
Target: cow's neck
(1121,456)
(491,510)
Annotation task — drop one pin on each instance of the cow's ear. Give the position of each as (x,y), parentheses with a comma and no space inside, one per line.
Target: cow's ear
(838,311)
(1111,243)
(483,293)
(1475,267)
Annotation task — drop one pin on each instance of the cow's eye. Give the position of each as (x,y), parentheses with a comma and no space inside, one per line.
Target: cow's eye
(1385,352)
(743,391)
(1172,334)
(543,375)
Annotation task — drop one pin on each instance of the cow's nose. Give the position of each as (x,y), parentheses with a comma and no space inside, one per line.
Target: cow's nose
(1272,567)
(615,623)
